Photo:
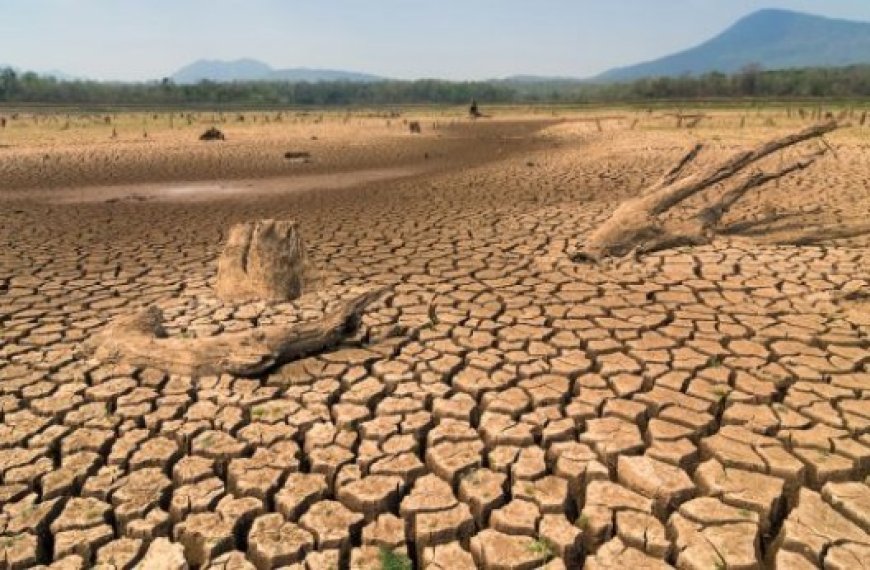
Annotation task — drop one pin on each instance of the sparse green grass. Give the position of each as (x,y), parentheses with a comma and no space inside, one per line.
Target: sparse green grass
(722,393)
(582,521)
(714,361)
(392,560)
(9,541)
(543,547)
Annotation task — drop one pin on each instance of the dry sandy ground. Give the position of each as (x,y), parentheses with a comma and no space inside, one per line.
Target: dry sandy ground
(500,408)
(37,151)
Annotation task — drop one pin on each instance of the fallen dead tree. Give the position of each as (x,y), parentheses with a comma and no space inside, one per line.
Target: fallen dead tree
(640,225)
(263,261)
(298,156)
(141,340)
(692,119)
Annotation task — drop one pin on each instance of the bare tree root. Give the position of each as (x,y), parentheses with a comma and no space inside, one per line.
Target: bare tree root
(637,226)
(141,340)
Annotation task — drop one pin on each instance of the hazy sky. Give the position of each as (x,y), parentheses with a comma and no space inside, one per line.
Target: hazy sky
(453,39)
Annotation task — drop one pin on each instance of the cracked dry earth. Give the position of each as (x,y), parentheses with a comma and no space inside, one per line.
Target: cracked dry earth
(501,408)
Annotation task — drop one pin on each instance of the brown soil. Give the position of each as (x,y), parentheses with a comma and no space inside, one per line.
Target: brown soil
(501,407)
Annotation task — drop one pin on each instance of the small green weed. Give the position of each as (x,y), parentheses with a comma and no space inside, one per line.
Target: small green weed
(543,547)
(391,560)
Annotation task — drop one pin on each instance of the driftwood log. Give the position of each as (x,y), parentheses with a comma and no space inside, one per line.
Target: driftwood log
(141,340)
(638,225)
(262,260)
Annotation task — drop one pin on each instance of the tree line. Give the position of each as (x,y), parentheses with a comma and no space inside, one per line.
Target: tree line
(752,82)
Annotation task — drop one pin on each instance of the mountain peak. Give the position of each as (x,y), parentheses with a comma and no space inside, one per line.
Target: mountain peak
(778,20)
(773,38)
(776,13)
(247,69)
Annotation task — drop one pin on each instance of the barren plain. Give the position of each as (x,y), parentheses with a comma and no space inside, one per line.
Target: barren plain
(501,407)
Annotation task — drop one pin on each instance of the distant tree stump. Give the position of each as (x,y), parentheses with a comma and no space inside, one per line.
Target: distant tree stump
(415,128)
(474,111)
(212,134)
(262,260)
(298,156)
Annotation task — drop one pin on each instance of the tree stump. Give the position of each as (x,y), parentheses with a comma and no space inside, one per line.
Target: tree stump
(262,260)
(212,134)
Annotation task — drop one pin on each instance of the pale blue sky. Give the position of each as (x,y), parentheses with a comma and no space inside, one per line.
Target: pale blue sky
(452,39)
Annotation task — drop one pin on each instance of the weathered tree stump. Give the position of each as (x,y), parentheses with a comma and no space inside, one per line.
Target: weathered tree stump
(262,260)
(212,134)
(474,111)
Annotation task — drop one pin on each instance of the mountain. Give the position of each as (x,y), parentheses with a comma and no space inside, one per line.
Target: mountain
(213,70)
(774,39)
(537,79)
(61,75)
(299,74)
(253,70)
(56,74)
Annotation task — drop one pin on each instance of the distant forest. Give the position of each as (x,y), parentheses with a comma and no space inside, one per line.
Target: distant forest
(751,83)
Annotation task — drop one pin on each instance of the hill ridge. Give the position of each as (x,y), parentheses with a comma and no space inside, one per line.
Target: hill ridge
(772,37)
(249,69)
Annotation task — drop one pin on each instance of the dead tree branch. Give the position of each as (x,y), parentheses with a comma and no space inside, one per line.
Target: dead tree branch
(673,174)
(637,224)
(691,185)
(141,340)
(712,215)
